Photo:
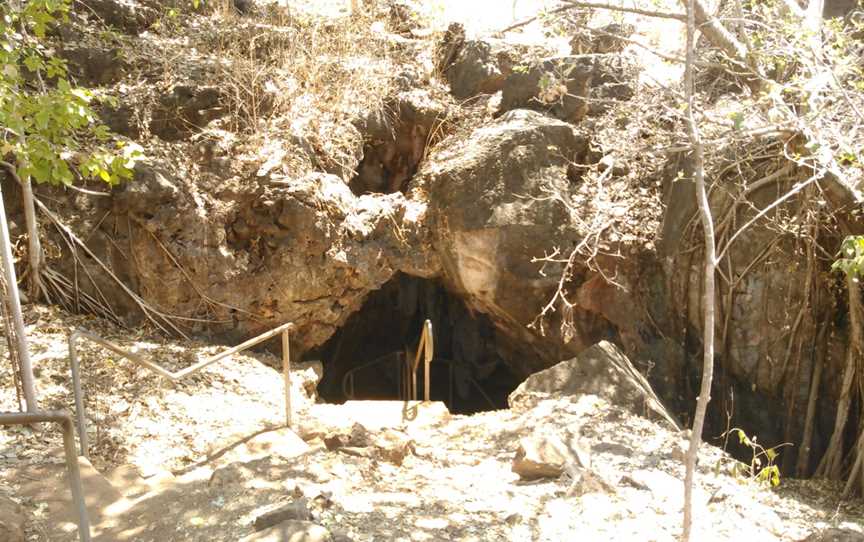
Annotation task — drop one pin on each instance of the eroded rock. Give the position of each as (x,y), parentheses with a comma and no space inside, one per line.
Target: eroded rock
(185,109)
(292,531)
(602,370)
(95,66)
(491,213)
(130,16)
(557,86)
(547,456)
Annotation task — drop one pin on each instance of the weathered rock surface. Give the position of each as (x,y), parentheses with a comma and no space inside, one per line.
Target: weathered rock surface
(547,456)
(601,370)
(314,247)
(835,535)
(93,66)
(491,214)
(297,510)
(396,138)
(292,531)
(127,15)
(557,86)
(186,109)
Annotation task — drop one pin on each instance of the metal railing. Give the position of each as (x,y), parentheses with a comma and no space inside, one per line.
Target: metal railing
(406,369)
(426,347)
(175,376)
(398,357)
(65,422)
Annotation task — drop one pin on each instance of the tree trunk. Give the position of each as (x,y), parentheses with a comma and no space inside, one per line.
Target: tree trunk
(14,303)
(34,246)
(709,302)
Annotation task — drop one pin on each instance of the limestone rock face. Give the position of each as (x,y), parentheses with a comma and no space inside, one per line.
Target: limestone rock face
(602,370)
(491,213)
(558,86)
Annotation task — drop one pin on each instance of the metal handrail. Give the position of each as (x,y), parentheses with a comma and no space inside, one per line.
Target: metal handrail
(65,422)
(426,346)
(452,364)
(174,377)
(408,379)
(348,377)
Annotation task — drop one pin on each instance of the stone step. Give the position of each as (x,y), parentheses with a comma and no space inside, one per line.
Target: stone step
(373,415)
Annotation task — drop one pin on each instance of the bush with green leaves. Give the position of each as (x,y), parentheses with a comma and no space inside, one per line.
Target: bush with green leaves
(851,257)
(762,467)
(47,124)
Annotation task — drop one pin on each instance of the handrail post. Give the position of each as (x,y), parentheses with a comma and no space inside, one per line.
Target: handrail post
(65,422)
(161,371)
(79,399)
(286,372)
(429,352)
(75,480)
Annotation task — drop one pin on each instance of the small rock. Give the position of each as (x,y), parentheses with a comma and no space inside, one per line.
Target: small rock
(292,531)
(612,448)
(542,456)
(393,446)
(358,437)
(835,535)
(296,510)
(585,481)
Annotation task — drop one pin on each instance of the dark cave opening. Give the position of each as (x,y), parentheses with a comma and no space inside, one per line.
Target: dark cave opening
(396,139)
(468,373)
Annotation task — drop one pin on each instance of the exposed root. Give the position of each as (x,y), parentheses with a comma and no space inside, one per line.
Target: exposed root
(163,321)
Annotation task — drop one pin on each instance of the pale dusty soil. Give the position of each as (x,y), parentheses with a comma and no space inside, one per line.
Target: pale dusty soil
(456,485)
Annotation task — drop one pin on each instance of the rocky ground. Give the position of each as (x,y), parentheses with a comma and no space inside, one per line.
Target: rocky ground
(558,464)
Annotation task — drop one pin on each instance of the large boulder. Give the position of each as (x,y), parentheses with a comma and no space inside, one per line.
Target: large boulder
(557,86)
(493,208)
(602,370)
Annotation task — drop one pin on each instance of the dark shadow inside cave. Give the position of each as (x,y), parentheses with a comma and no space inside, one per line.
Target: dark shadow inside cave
(467,372)
(396,140)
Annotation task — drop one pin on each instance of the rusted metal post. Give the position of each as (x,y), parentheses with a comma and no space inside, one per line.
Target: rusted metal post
(79,396)
(429,352)
(65,422)
(286,372)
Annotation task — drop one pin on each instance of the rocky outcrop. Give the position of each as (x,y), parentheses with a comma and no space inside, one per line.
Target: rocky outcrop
(491,212)
(310,244)
(126,15)
(184,110)
(93,66)
(557,86)
(396,137)
(601,370)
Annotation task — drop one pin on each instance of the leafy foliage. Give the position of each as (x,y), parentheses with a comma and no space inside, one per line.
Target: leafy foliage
(851,257)
(47,123)
(762,467)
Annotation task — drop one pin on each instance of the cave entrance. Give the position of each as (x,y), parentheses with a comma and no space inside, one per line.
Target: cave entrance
(395,143)
(364,358)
